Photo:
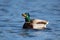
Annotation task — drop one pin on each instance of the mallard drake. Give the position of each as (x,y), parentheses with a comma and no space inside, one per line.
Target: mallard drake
(33,23)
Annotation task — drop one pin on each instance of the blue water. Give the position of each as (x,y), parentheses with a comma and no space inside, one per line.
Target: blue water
(11,21)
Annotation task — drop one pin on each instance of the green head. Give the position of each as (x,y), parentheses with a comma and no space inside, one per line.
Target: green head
(26,16)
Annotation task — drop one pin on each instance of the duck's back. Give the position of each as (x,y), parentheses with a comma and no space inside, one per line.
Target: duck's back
(39,24)
(38,21)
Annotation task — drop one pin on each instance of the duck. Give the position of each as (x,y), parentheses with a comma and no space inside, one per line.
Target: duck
(33,23)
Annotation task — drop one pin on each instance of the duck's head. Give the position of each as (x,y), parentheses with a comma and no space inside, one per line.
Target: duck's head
(26,17)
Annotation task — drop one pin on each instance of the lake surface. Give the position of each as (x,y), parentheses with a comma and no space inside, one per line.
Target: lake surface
(11,21)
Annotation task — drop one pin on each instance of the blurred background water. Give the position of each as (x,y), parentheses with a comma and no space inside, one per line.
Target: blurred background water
(11,21)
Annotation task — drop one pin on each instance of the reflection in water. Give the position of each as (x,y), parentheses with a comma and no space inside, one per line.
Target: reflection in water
(25,33)
(33,32)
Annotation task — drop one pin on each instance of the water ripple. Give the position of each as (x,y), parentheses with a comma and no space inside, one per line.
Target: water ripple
(5,20)
(4,10)
(3,5)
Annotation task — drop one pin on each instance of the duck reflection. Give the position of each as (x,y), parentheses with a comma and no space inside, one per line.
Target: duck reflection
(26,33)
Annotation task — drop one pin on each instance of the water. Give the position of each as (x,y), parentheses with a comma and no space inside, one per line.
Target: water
(11,21)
